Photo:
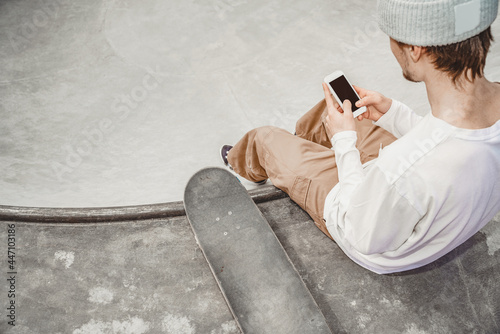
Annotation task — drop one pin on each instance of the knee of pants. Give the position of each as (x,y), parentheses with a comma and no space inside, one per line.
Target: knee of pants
(263,132)
(266,129)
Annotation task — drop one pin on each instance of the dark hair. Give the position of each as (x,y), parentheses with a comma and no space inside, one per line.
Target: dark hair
(457,58)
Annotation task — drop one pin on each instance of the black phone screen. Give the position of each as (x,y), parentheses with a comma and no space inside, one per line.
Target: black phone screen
(344,91)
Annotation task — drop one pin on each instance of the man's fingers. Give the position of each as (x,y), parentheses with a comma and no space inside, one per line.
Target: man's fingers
(347,106)
(338,107)
(328,95)
(359,90)
(361,102)
(331,104)
(365,101)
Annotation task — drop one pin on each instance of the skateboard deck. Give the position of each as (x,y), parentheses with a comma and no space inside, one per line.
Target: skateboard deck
(258,281)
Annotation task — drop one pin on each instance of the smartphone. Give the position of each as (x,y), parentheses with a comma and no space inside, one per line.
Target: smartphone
(342,90)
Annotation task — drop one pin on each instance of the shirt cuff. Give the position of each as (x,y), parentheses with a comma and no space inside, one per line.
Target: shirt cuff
(387,117)
(344,141)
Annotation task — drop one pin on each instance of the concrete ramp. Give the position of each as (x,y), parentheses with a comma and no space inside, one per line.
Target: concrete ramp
(139,270)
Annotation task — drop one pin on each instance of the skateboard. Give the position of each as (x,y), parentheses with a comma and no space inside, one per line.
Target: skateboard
(262,288)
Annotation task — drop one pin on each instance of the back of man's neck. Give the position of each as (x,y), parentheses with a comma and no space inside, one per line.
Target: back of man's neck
(470,105)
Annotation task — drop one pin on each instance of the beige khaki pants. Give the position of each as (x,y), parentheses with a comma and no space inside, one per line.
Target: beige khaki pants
(304,165)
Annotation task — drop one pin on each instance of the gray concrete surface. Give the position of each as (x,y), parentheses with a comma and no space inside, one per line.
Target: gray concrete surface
(117,102)
(148,277)
(133,277)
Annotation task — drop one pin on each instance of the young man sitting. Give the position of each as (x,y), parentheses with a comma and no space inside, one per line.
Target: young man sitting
(393,189)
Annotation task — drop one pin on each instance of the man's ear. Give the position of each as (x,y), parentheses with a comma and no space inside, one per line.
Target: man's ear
(416,52)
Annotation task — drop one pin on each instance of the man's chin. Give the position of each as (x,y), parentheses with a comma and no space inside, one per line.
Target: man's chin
(409,77)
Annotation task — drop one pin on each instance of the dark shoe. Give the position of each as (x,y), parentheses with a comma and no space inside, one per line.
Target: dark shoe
(224,151)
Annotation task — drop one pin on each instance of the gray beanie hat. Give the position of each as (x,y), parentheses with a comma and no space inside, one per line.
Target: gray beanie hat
(435,22)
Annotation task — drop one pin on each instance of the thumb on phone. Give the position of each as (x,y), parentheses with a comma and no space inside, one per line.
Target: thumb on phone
(364,101)
(347,106)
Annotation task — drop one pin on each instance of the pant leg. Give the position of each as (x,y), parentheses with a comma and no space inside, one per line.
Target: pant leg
(303,166)
(370,138)
(306,171)
(312,125)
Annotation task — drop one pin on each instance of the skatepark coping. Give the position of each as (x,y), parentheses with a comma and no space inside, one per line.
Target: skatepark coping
(118,213)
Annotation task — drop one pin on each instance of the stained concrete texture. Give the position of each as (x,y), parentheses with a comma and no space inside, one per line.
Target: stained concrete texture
(132,277)
(148,277)
(118,102)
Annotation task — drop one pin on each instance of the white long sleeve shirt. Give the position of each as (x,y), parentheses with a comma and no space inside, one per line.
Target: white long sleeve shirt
(426,193)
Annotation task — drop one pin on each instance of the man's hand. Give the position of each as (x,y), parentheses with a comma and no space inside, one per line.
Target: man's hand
(375,103)
(338,120)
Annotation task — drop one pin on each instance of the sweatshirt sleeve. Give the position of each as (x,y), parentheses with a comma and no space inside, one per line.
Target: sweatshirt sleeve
(364,212)
(399,119)
(350,170)
(373,219)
